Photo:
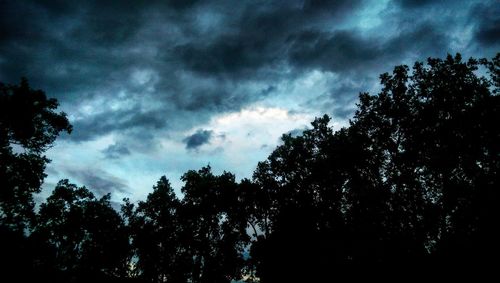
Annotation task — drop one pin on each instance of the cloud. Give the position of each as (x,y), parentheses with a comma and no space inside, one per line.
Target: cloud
(178,63)
(198,139)
(103,123)
(98,180)
(136,76)
(256,39)
(488,24)
(414,3)
(339,51)
(349,52)
(116,151)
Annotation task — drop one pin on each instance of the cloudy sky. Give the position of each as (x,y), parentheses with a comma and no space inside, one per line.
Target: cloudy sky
(160,87)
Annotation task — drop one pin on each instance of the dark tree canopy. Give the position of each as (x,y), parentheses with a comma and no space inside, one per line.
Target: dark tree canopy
(156,236)
(211,216)
(28,126)
(87,235)
(413,178)
(197,239)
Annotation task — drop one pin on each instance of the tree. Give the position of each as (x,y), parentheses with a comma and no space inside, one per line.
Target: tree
(305,222)
(28,126)
(200,238)
(214,231)
(411,179)
(156,237)
(435,131)
(87,236)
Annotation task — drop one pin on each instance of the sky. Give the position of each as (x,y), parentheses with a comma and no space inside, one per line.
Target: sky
(157,88)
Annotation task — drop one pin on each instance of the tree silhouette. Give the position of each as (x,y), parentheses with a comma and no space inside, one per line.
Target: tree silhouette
(87,235)
(198,239)
(28,126)
(411,179)
(434,130)
(213,229)
(157,236)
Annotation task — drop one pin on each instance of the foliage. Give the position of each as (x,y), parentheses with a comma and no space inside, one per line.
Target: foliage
(87,235)
(28,126)
(413,178)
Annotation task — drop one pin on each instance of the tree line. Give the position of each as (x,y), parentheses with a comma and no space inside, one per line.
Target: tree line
(412,180)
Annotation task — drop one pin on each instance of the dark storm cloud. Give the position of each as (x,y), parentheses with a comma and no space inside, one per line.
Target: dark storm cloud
(339,51)
(62,46)
(193,59)
(198,139)
(116,151)
(98,180)
(488,23)
(120,120)
(416,3)
(348,51)
(207,98)
(340,101)
(257,39)
(228,55)
(305,36)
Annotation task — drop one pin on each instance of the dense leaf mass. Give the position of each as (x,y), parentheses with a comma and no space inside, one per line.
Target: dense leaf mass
(412,180)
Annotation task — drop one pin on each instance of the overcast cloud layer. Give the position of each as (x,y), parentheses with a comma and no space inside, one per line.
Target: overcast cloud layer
(160,87)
